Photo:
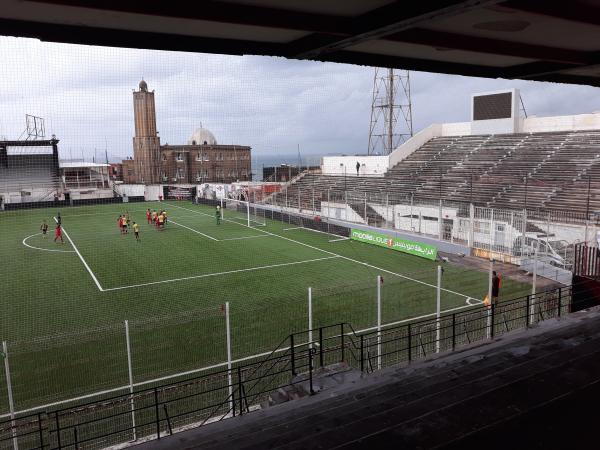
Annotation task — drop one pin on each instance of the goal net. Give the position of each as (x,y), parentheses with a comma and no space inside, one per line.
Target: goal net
(243,212)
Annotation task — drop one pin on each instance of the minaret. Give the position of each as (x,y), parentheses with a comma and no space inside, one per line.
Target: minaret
(146,143)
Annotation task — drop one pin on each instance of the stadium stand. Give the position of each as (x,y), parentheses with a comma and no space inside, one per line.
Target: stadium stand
(533,170)
(516,387)
(27,166)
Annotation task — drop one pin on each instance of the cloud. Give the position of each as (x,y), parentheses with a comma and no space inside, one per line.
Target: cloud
(269,103)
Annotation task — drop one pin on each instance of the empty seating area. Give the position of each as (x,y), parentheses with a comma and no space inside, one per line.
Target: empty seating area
(26,172)
(533,170)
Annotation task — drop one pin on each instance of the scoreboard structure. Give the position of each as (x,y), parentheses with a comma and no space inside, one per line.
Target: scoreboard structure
(495,112)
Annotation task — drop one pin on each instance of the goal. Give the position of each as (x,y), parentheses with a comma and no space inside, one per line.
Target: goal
(243,212)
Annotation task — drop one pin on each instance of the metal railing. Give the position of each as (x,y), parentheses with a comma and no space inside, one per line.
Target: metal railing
(164,409)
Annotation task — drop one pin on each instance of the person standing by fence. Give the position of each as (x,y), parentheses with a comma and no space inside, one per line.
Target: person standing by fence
(495,287)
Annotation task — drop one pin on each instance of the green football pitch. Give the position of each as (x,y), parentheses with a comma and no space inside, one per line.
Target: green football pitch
(64,305)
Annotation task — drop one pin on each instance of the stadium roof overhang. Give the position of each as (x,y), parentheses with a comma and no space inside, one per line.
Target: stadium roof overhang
(546,40)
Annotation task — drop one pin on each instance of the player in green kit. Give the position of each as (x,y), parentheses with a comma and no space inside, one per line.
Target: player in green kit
(218,214)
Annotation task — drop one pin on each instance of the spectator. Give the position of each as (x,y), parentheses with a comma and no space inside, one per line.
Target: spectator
(495,287)
(357,167)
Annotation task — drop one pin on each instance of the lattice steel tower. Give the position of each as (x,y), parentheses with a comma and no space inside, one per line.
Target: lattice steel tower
(391,111)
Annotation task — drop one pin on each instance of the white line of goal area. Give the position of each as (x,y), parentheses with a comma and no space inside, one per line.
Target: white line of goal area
(216,274)
(81,258)
(433,286)
(211,367)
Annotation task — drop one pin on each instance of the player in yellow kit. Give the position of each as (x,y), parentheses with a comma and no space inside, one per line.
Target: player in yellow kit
(136,231)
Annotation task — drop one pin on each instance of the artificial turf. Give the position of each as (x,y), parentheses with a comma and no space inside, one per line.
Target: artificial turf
(65,329)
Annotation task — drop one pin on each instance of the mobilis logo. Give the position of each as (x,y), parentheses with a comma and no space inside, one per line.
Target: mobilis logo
(382,240)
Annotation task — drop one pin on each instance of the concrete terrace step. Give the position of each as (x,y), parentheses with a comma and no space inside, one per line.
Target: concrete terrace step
(427,404)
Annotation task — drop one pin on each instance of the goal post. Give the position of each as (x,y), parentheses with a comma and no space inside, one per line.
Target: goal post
(243,212)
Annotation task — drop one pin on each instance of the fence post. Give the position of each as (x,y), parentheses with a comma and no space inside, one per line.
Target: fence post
(438,309)
(130,371)
(559,301)
(241,390)
(293,354)
(366,217)
(409,342)
(387,210)
(411,214)
(58,439)
(471,224)
(378,322)
(229,378)
(310,319)
(453,331)
(342,343)
(156,411)
(41,430)
(527,302)
(321,346)
(310,370)
(492,309)
(440,228)
(362,353)
(534,283)
(11,404)
(489,310)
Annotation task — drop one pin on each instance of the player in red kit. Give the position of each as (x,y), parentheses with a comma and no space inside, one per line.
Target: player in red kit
(58,234)
(149,216)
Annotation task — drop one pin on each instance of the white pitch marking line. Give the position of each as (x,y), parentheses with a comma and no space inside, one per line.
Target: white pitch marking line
(44,249)
(310,229)
(340,239)
(191,229)
(100,213)
(81,257)
(334,254)
(244,237)
(228,272)
(477,301)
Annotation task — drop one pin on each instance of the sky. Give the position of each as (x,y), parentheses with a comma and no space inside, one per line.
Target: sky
(272,104)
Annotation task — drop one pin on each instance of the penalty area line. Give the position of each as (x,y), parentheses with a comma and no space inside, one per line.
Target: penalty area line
(191,229)
(81,258)
(340,239)
(362,263)
(216,274)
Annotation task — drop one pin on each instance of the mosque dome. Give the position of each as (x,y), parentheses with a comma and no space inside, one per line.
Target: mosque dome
(143,86)
(202,136)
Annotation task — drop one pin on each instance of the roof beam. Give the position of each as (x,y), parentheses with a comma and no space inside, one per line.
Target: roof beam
(538,69)
(220,12)
(478,44)
(574,11)
(424,65)
(110,37)
(383,21)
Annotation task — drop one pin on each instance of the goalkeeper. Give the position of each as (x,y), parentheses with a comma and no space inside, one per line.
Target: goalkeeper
(218,214)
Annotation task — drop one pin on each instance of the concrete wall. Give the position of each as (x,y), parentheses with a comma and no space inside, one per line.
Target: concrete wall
(369,165)
(579,122)
(130,190)
(35,195)
(414,143)
(152,192)
(340,211)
